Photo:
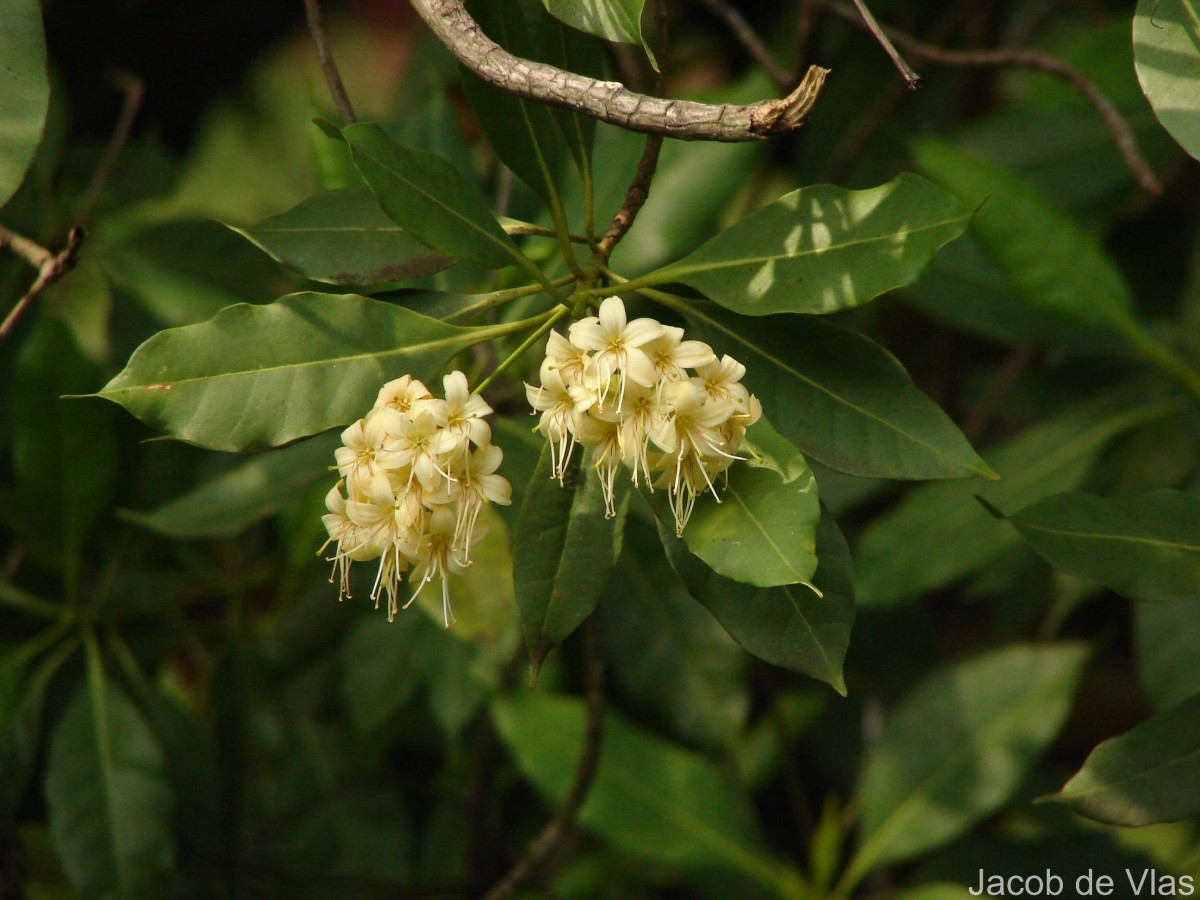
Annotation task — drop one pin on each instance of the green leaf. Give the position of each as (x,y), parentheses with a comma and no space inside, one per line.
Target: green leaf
(1166,53)
(523,134)
(228,504)
(694,185)
(939,533)
(1145,546)
(840,397)
(107,797)
(650,798)
(667,655)
(958,747)
(789,626)
(762,532)
(772,450)
(1057,267)
(563,552)
(64,450)
(383,666)
(1167,637)
(20,729)
(186,271)
(343,237)
(259,376)
(1150,774)
(24,90)
(430,199)
(823,248)
(572,50)
(613,20)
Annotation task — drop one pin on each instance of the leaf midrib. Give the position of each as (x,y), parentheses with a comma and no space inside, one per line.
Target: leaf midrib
(965,752)
(506,245)
(832,395)
(683,268)
(733,492)
(325,361)
(1117,537)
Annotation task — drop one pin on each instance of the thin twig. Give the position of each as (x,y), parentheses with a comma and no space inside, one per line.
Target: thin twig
(1122,134)
(50,268)
(608,100)
(550,838)
(134,90)
(744,33)
(911,78)
(316,28)
(639,188)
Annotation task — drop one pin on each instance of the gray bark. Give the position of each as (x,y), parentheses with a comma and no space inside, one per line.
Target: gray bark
(610,101)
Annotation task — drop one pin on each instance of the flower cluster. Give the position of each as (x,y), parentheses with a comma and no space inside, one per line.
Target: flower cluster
(416,472)
(624,390)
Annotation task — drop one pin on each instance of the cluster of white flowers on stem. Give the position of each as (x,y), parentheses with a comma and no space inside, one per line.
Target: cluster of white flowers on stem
(624,390)
(416,471)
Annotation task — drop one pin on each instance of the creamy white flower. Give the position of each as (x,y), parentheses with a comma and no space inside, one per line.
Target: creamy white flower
(465,411)
(672,355)
(620,387)
(414,487)
(616,345)
(478,484)
(435,555)
(422,445)
(401,393)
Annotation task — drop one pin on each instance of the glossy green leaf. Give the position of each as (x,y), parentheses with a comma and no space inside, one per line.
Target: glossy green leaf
(763,532)
(958,747)
(1145,546)
(939,533)
(768,448)
(107,797)
(840,397)
(259,376)
(789,626)
(430,199)
(665,653)
(1166,53)
(228,504)
(1150,774)
(343,237)
(613,20)
(1057,267)
(563,552)
(523,134)
(1167,635)
(24,90)
(823,248)
(650,798)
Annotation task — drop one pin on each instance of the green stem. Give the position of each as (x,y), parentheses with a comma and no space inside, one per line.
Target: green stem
(497,298)
(529,266)
(13,596)
(517,228)
(552,317)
